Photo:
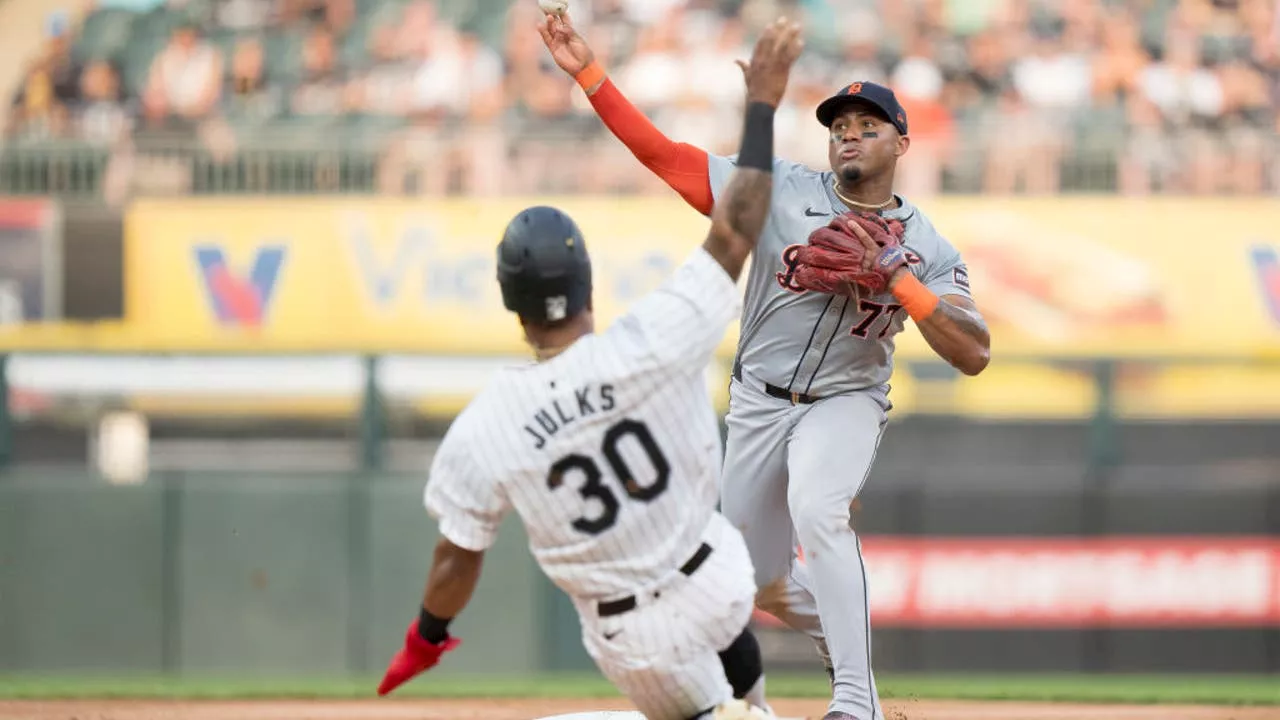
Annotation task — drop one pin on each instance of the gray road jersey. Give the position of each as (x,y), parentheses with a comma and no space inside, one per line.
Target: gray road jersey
(814,343)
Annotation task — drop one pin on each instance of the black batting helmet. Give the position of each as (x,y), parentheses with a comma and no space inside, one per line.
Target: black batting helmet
(543,267)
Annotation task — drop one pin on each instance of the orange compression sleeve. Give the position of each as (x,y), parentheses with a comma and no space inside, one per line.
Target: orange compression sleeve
(680,165)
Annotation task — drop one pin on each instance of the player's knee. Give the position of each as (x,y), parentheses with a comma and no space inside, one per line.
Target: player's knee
(818,521)
(742,663)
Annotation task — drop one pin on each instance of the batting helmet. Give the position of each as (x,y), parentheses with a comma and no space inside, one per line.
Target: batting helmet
(543,267)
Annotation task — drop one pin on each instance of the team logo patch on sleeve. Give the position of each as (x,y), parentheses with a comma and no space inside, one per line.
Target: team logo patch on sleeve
(961,276)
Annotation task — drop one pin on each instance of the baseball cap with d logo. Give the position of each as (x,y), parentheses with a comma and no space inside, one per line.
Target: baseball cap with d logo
(868,93)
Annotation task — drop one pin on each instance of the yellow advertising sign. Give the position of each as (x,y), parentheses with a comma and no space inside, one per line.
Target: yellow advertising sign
(1093,276)
(368,275)
(1184,279)
(1064,277)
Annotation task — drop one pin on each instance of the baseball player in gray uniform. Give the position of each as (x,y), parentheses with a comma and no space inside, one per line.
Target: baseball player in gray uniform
(810,391)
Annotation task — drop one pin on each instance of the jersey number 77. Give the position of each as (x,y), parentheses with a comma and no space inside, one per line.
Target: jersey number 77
(593,487)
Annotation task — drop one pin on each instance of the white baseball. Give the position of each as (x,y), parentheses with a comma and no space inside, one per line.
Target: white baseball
(553,7)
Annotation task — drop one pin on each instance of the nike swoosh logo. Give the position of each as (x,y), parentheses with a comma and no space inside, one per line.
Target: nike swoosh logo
(610,636)
(810,212)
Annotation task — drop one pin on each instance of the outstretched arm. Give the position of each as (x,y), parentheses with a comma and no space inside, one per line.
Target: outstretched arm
(470,509)
(453,577)
(681,166)
(738,220)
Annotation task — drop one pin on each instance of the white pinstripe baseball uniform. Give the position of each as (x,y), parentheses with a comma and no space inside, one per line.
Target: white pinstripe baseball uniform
(610,453)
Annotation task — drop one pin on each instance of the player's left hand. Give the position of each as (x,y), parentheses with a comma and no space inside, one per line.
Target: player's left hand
(856,252)
(417,656)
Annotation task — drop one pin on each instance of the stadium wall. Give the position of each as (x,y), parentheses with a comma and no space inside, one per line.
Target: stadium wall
(216,573)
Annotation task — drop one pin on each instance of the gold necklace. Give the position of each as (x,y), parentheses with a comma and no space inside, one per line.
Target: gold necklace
(855,203)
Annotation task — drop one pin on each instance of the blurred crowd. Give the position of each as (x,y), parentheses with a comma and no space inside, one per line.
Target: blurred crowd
(460,96)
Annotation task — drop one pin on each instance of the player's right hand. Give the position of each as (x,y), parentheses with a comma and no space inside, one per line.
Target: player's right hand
(776,51)
(567,47)
(417,656)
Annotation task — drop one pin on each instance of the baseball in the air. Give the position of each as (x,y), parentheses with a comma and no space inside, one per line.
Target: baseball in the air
(553,7)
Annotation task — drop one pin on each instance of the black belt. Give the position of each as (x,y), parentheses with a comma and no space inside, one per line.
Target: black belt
(627,604)
(781,393)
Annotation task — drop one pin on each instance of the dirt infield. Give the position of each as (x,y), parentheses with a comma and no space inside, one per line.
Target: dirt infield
(528,709)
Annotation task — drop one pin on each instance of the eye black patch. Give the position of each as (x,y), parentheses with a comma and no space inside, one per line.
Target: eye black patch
(869,135)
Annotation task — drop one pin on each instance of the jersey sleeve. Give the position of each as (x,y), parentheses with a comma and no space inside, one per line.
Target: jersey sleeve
(681,324)
(946,274)
(720,168)
(468,504)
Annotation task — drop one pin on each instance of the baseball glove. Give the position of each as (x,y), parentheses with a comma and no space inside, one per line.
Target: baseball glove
(832,262)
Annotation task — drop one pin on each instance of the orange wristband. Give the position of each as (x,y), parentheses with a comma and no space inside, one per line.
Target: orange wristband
(590,75)
(918,300)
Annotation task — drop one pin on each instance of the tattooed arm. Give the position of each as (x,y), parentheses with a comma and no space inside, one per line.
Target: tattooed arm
(739,217)
(737,221)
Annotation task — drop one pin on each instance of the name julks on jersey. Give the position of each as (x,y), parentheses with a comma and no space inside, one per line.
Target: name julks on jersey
(587,401)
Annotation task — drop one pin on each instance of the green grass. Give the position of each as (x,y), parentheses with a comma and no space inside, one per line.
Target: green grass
(1140,689)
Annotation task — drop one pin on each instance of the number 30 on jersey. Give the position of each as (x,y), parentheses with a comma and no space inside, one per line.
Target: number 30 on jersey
(594,487)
